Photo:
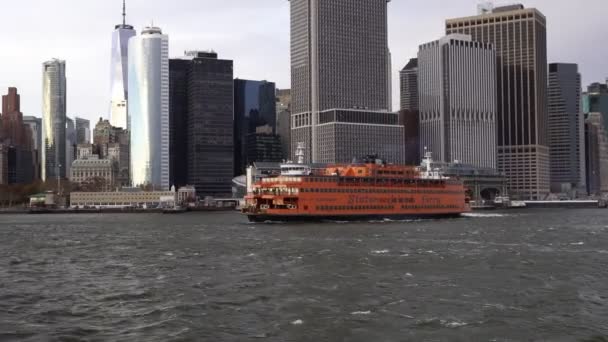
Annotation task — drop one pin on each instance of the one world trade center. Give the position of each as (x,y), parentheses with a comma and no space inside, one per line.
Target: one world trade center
(119,73)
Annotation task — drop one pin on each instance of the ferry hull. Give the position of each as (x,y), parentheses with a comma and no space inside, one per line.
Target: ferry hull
(261,218)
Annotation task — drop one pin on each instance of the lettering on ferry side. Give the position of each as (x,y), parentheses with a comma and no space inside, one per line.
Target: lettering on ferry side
(431,200)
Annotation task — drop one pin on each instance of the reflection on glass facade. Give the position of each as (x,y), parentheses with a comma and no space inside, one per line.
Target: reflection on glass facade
(53,119)
(118,110)
(148,108)
(254,106)
(119,73)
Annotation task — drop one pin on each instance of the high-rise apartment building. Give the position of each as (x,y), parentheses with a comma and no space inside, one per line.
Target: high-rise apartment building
(457,91)
(339,61)
(566,128)
(148,108)
(254,106)
(83,131)
(202,113)
(119,72)
(519,36)
(53,120)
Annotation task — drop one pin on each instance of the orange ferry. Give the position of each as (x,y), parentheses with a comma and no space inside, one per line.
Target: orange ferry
(358,191)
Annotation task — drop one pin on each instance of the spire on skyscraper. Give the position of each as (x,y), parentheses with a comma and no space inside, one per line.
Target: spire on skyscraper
(124,12)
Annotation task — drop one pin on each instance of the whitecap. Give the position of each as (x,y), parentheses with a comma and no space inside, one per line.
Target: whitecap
(169,254)
(297,322)
(361,313)
(577,244)
(383,251)
(481,215)
(409,275)
(453,324)
(251,255)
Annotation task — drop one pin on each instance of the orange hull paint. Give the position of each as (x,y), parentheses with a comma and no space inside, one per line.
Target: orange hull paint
(356,191)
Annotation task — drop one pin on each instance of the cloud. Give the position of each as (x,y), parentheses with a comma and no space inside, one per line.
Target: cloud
(254,33)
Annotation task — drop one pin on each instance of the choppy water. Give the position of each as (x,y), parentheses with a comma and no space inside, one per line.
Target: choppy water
(515,276)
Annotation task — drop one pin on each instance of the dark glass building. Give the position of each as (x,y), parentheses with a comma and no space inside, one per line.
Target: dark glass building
(409,113)
(254,106)
(178,121)
(201,113)
(263,146)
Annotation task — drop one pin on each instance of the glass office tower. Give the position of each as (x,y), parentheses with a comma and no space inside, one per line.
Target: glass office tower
(119,73)
(148,108)
(53,119)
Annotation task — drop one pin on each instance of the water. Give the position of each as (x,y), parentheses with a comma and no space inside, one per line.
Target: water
(535,275)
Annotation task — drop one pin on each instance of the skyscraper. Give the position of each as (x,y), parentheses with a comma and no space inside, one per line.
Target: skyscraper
(148,108)
(566,128)
(119,74)
(596,147)
(83,131)
(519,36)
(18,138)
(409,116)
(254,106)
(457,91)
(595,100)
(35,126)
(284,120)
(339,60)
(208,111)
(70,145)
(408,80)
(53,120)
(178,120)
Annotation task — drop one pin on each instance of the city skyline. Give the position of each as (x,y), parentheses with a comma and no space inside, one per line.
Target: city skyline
(261,52)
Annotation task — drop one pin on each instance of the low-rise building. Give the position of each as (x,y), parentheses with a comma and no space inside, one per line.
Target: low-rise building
(93,169)
(123,199)
(43,200)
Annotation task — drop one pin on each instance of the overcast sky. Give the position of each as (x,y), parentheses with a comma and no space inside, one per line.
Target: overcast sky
(254,33)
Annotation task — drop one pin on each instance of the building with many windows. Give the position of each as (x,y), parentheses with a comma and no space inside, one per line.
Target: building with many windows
(284,120)
(519,36)
(339,61)
(119,72)
(457,91)
(263,146)
(344,134)
(148,108)
(596,150)
(83,131)
(91,169)
(53,120)
(202,116)
(566,128)
(123,199)
(254,106)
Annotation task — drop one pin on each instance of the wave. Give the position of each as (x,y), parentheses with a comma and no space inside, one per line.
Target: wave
(361,313)
(483,215)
